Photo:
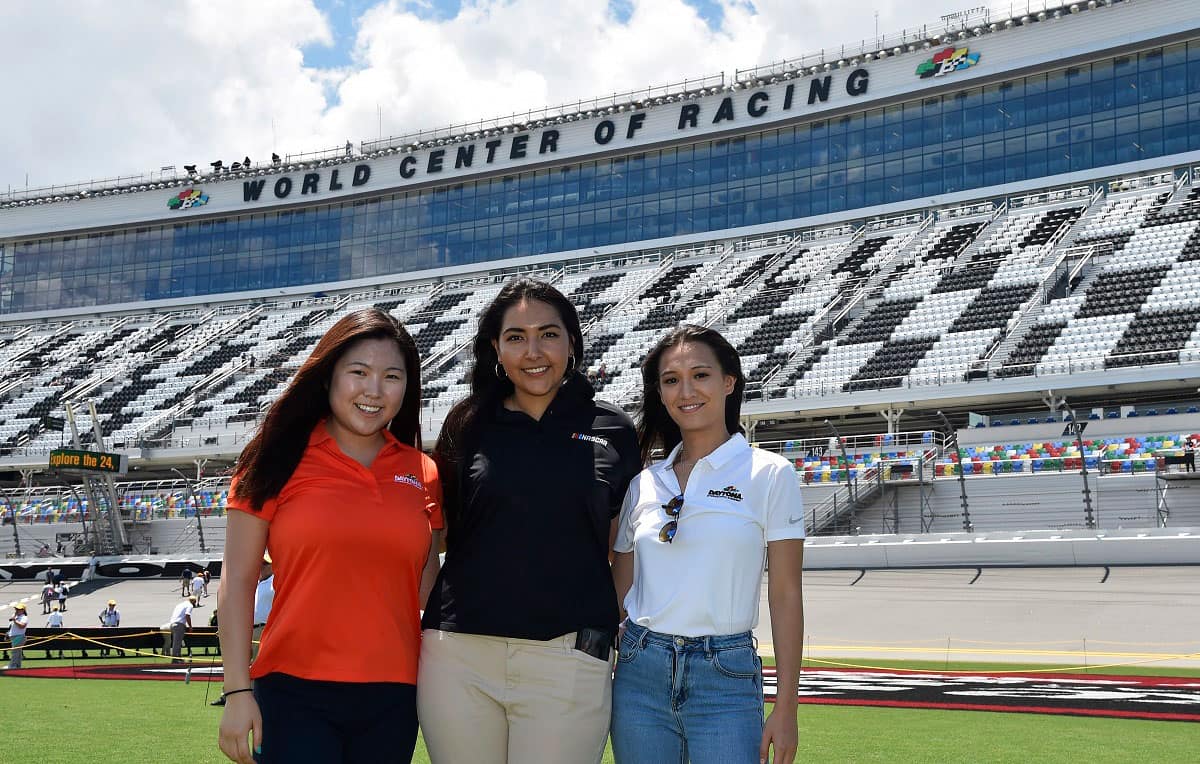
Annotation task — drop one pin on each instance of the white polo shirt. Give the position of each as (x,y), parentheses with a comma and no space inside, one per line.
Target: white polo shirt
(264,595)
(707,581)
(181,612)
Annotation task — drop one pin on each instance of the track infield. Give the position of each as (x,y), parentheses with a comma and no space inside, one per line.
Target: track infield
(1158,698)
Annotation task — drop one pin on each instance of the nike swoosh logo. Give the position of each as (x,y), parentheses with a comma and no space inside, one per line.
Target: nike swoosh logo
(792,519)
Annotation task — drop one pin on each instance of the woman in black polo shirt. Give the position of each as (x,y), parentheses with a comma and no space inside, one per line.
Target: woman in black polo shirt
(518,631)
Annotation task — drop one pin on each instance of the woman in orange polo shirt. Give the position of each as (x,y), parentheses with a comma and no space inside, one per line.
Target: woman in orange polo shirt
(335,485)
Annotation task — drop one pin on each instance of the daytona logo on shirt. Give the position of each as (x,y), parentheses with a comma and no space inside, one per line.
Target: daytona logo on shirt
(409,479)
(728,492)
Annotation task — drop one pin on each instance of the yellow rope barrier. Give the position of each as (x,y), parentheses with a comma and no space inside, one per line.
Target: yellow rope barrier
(33,645)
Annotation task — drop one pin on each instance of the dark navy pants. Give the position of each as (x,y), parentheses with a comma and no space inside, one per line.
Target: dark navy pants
(305,720)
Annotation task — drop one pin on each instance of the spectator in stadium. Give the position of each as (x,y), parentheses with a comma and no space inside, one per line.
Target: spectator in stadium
(49,596)
(55,621)
(204,574)
(110,618)
(336,475)
(62,597)
(264,596)
(534,469)
(1189,454)
(181,621)
(185,583)
(198,588)
(695,530)
(17,625)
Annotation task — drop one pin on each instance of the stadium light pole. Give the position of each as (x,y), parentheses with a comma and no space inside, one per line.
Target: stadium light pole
(962,478)
(187,486)
(1088,517)
(16,536)
(850,487)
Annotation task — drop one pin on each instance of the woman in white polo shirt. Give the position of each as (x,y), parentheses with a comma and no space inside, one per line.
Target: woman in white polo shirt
(695,531)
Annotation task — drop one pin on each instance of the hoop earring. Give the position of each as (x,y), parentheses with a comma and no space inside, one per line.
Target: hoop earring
(570,363)
(500,373)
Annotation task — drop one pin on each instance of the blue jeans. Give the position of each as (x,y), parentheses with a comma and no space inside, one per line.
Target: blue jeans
(680,699)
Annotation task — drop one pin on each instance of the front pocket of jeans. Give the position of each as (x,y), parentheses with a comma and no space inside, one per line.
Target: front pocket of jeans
(737,662)
(627,648)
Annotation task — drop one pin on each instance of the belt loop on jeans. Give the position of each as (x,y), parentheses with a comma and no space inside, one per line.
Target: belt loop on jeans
(641,640)
(708,649)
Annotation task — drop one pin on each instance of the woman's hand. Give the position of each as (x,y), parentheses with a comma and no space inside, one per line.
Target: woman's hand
(781,731)
(239,718)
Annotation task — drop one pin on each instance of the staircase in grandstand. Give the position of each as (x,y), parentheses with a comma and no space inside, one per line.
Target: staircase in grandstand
(1044,284)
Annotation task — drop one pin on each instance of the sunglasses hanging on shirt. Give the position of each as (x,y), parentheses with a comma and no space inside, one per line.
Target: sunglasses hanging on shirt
(672,508)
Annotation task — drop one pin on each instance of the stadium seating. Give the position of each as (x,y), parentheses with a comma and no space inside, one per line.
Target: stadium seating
(938,297)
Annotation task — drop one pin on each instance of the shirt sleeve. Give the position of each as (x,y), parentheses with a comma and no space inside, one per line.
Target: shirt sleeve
(240,504)
(624,540)
(433,489)
(785,506)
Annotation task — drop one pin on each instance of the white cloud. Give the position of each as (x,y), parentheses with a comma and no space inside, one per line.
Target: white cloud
(114,88)
(127,87)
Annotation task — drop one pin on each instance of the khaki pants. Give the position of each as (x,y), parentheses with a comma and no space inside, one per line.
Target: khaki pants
(493,700)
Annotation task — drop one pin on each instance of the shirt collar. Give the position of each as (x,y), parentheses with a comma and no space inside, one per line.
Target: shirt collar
(574,393)
(320,434)
(724,453)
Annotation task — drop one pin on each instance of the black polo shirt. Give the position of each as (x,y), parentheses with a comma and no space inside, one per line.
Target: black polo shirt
(528,557)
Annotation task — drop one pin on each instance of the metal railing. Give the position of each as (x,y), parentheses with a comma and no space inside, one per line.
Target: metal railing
(941,376)
(952,27)
(577,109)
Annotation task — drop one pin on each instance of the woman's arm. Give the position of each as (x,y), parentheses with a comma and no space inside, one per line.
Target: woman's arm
(245,542)
(785,596)
(433,565)
(622,572)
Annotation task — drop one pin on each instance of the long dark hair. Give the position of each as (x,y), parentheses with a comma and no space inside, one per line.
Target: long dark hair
(457,438)
(656,429)
(269,459)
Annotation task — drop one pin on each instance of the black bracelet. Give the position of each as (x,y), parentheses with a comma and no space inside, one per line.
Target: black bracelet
(235,692)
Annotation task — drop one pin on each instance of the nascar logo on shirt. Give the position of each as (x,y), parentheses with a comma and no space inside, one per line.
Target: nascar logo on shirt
(589,438)
(409,479)
(728,492)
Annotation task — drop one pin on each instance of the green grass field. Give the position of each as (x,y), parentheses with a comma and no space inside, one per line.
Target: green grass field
(87,721)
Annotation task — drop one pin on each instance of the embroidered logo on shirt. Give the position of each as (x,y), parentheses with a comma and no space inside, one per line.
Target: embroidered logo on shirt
(728,492)
(409,479)
(590,438)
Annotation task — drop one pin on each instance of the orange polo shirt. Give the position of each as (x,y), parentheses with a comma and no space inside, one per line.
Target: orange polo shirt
(348,544)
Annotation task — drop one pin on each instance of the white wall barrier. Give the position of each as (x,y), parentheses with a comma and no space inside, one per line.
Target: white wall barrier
(1147,546)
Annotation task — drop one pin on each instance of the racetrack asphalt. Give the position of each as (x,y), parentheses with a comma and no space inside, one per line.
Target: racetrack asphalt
(1139,615)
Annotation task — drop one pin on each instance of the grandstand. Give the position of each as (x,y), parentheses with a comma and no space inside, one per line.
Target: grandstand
(1013,241)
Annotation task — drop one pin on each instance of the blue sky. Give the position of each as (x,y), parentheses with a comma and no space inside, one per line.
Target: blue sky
(270,82)
(343,16)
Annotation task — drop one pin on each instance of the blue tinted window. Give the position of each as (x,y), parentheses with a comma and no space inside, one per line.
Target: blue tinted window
(1126,109)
